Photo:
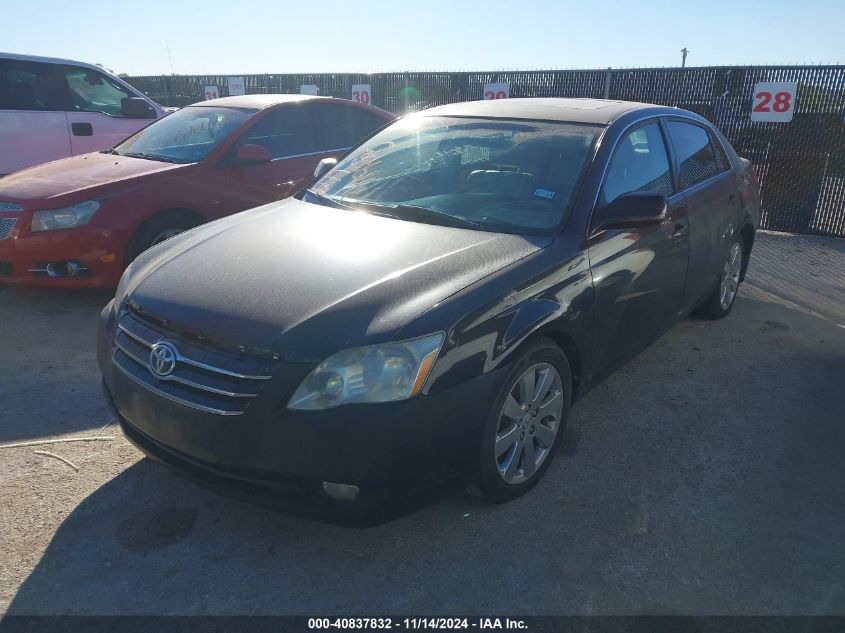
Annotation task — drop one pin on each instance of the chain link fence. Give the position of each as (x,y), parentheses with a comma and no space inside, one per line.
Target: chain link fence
(801,164)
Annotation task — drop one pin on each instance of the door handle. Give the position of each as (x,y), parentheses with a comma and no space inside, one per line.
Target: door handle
(82,129)
(679,229)
(732,197)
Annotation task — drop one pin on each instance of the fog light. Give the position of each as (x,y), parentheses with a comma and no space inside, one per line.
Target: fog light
(61,269)
(343,492)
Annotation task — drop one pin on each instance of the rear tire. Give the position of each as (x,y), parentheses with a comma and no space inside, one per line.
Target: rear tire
(721,300)
(525,424)
(157,230)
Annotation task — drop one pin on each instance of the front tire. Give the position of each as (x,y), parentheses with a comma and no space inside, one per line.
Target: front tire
(525,423)
(721,300)
(157,230)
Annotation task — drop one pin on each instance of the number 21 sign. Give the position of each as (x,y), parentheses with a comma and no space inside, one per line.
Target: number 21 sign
(774,101)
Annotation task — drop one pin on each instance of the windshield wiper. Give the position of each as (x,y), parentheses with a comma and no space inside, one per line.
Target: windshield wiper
(414,212)
(163,159)
(333,202)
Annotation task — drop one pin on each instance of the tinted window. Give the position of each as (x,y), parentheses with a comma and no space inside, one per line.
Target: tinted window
(288,131)
(91,91)
(695,152)
(345,126)
(32,86)
(640,164)
(491,174)
(186,136)
(722,161)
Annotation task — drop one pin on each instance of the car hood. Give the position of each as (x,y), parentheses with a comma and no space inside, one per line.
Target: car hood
(305,280)
(75,174)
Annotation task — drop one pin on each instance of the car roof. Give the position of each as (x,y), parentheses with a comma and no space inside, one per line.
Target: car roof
(260,101)
(51,60)
(595,111)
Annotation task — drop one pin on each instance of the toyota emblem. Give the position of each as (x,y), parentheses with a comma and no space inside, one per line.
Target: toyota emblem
(163,359)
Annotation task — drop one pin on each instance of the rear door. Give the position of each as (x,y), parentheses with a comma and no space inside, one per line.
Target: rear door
(710,188)
(289,134)
(33,125)
(96,120)
(638,273)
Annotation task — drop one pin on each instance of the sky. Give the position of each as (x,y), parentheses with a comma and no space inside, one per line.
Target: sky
(266,36)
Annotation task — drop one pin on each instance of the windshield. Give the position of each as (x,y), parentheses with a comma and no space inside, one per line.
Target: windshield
(491,174)
(186,136)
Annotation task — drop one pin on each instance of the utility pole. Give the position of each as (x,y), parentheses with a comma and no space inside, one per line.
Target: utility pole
(684,52)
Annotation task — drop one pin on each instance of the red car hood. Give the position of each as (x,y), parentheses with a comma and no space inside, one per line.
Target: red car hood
(75,174)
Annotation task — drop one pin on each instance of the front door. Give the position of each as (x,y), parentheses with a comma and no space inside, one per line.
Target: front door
(95,118)
(638,274)
(295,150)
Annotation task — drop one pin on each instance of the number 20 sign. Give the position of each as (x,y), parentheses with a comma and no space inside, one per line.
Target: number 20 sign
(774,101)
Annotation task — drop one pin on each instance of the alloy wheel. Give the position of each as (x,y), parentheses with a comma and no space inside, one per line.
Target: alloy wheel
(528,423)
(730,276)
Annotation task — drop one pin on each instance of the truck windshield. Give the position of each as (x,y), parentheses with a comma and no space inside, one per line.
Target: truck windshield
(186,136)
(502,175)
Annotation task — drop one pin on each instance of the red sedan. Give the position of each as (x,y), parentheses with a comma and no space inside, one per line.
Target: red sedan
(80,221)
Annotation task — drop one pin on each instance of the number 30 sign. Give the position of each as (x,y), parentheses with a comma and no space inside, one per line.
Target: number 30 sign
(774,101)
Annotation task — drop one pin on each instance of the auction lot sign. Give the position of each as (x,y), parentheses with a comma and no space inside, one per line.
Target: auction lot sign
(362,93)
(774,101)
(211,92)
(236,86)
(497,91)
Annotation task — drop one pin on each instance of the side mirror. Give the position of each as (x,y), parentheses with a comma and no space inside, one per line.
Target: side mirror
(252,154)
(137,108)
(630,210)
(323,166)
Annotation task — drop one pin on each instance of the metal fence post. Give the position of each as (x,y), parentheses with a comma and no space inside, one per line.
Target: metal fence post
(607,84)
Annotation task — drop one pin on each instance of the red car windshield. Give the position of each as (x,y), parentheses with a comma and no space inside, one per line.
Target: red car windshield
(186,136)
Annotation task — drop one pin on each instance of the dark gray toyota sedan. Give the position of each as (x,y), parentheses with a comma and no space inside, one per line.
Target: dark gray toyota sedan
(431,306)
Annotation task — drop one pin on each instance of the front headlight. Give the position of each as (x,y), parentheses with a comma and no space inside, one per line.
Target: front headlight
(70,217)
(376,373)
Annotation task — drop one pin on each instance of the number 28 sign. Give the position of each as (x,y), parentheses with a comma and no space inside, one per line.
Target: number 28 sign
(774,101)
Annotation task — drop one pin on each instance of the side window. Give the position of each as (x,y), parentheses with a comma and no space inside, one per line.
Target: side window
(91,91)
(286,132)
(722,161)
(639,164)
(345,126)
(695,152)
(32,86)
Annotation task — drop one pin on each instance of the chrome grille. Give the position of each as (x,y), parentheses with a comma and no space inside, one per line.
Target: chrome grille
(10,206)
(205,379)
(6,226)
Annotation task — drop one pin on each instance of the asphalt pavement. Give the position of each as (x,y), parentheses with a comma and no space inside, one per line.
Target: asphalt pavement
(706,477)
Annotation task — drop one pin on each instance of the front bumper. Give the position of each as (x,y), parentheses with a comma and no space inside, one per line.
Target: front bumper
(277,457)
(24,255)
